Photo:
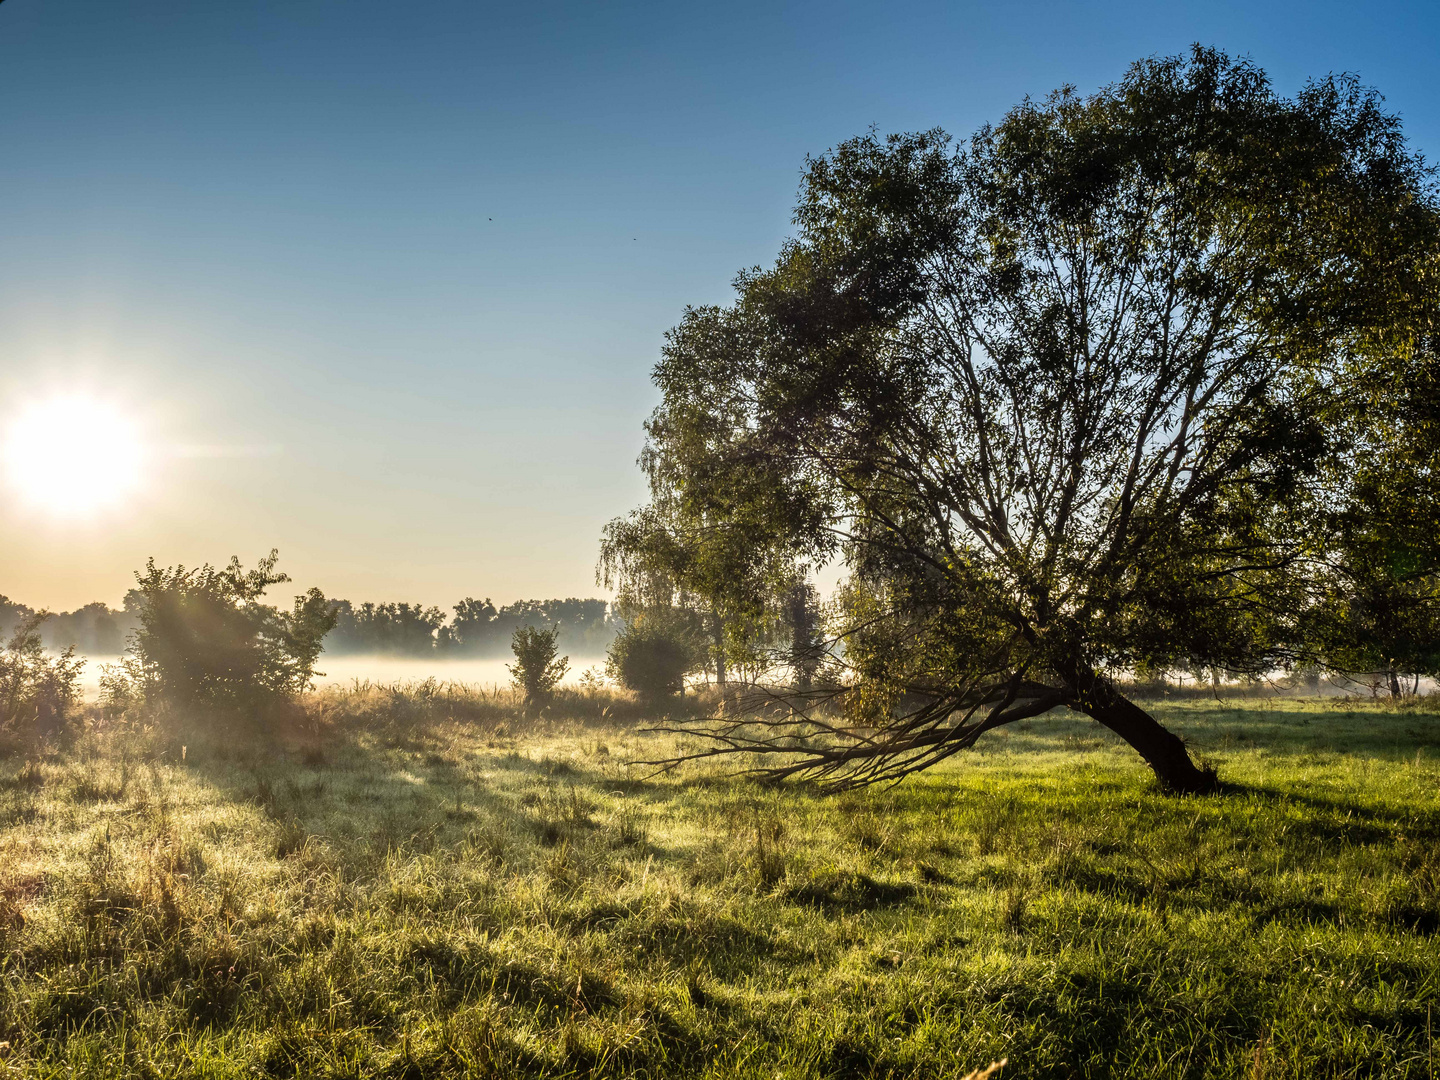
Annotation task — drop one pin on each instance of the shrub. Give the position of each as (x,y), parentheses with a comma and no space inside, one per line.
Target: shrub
(655,651)
(537,670)
(206,641)
(36,691)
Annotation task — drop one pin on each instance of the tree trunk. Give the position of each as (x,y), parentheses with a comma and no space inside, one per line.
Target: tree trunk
(1163,750)
(717,632)
(1395,691)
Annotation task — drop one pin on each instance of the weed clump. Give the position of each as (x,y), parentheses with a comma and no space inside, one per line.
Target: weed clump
(38,692)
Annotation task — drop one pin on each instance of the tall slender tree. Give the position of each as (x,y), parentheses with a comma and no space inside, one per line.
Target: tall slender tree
(725,572)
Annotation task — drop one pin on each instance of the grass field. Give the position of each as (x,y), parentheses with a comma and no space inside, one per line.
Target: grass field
(424,896)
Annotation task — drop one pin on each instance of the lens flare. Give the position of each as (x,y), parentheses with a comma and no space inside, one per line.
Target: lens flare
(73,456)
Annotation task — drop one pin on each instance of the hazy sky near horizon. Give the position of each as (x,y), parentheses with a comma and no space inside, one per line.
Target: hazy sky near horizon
(381,284)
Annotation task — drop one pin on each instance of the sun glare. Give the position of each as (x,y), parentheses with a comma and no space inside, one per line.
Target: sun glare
(73,456)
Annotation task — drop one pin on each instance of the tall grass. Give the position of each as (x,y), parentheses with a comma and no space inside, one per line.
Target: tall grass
(426,885)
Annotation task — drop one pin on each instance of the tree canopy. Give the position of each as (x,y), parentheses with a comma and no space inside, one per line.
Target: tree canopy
(1096,388)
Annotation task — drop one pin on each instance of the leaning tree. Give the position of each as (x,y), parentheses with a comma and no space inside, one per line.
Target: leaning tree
(1066,399)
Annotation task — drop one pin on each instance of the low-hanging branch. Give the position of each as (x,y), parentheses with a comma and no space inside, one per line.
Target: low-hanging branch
(861,754)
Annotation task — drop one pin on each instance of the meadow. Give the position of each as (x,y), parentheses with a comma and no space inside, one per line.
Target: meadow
(423,884)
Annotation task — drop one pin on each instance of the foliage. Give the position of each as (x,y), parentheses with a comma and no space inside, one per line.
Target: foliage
(1381,617)
(537,669)
(478,627)
(1066,400)
(1380,608)
(94,629)
(656,650)
(207,642)
(37,690)
(471,627)
(661,557)
(237,912)
(398,628)
(583,623)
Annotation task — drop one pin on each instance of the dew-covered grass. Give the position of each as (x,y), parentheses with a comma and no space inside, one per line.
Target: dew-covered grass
(431,886)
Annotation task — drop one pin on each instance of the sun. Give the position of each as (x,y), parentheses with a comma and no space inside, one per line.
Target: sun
(73,455)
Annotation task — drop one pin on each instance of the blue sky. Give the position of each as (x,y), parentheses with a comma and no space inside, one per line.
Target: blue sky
(386,281)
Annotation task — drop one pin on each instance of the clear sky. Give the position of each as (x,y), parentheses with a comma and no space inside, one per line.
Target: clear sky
(380,285)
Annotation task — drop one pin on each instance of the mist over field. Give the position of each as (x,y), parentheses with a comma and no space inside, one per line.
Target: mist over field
(480,672)
(379,669)
(380,643)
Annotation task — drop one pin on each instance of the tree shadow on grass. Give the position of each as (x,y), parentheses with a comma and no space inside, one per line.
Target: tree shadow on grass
(367,801)
(1281,730)
(1288,728)
(1341,818)
(848,892)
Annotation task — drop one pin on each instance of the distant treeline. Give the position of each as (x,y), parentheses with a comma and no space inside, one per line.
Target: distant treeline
(94,629)
(477,628)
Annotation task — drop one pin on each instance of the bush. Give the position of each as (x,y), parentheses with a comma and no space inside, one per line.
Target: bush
(36,691)
(537,670)
(206,642)
(655,651)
